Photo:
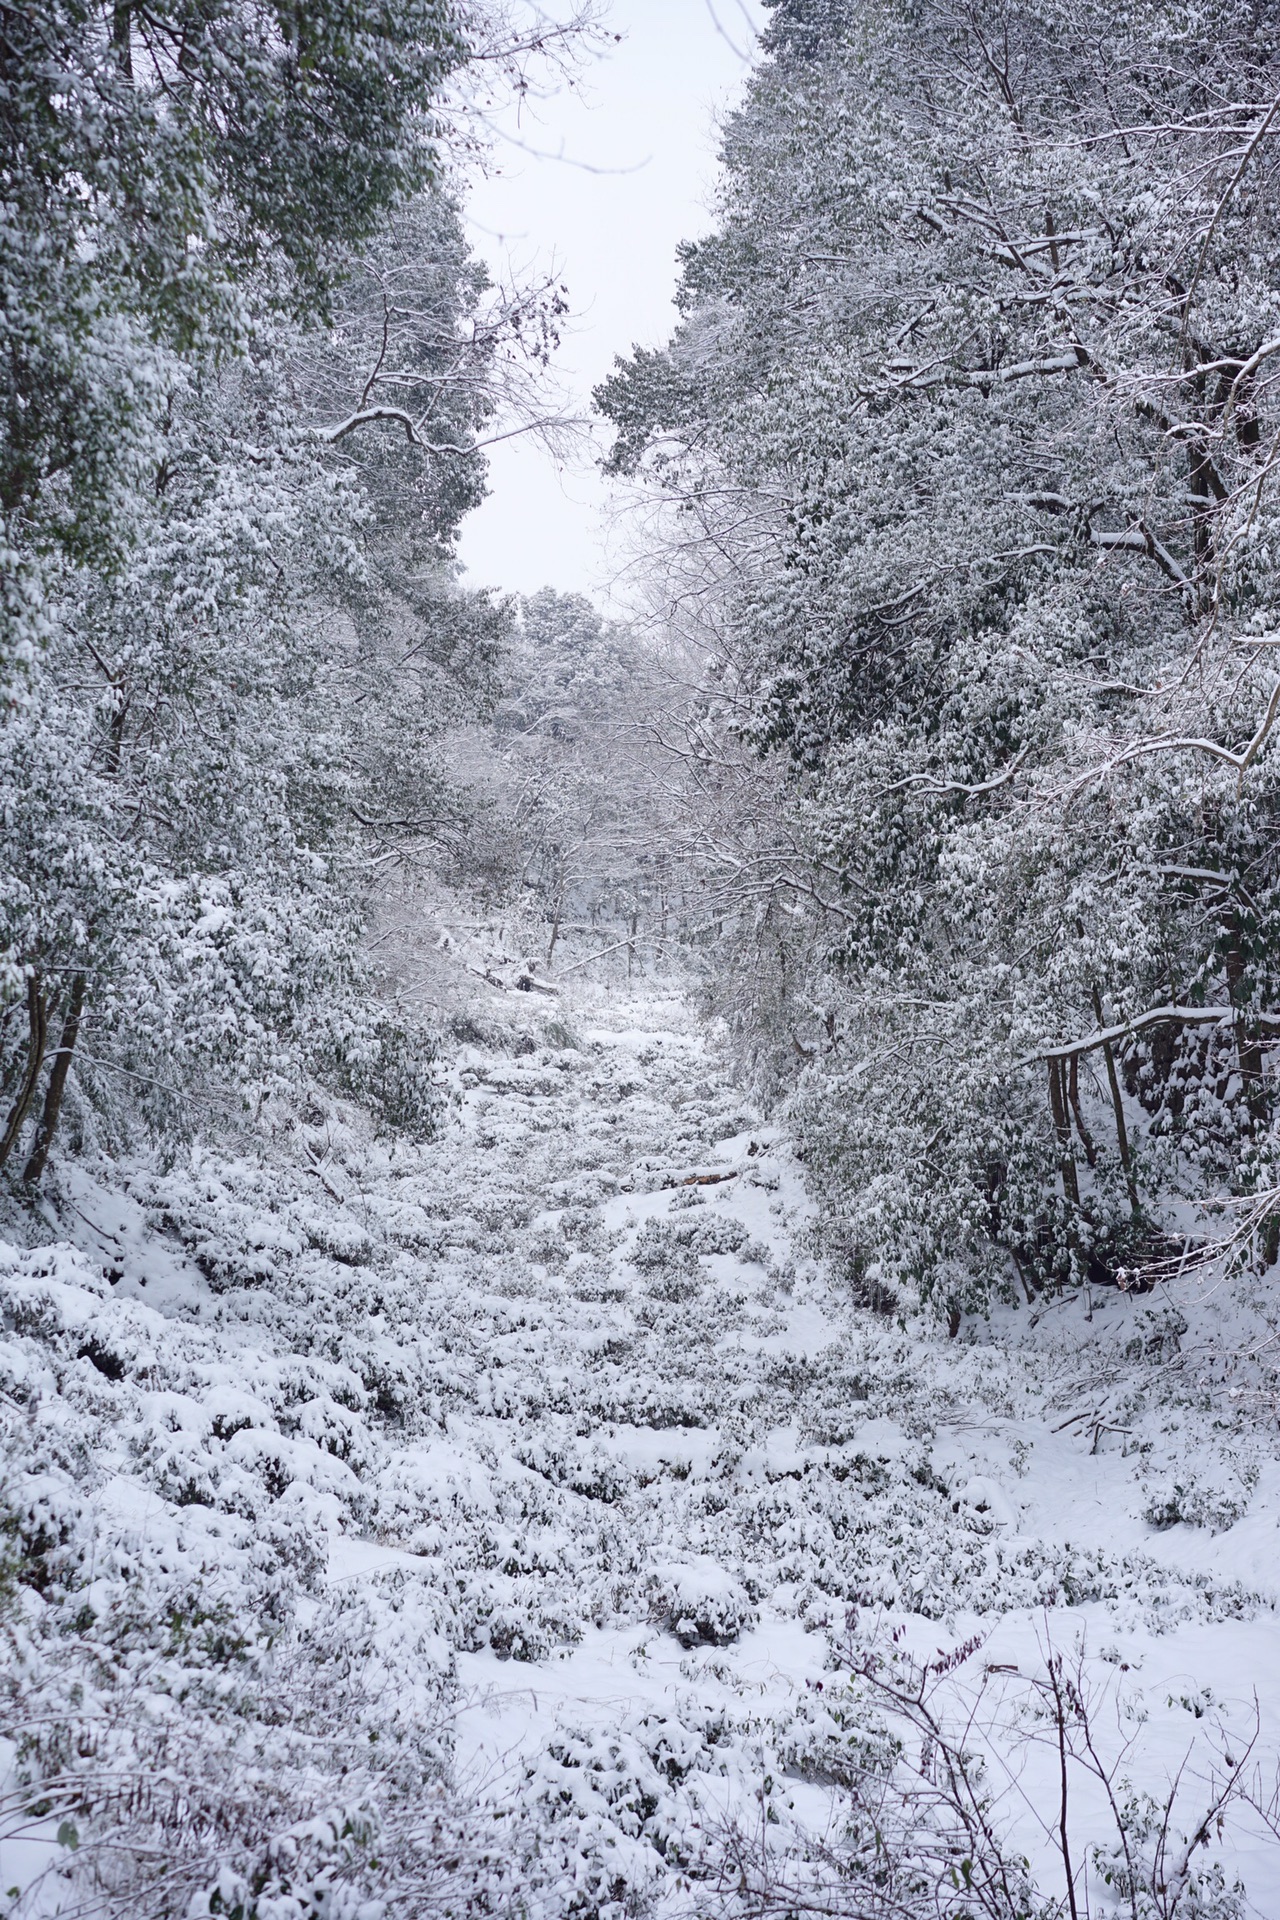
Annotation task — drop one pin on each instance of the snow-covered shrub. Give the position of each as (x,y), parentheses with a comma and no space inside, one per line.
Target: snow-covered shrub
(1213,1502)
(701,1604)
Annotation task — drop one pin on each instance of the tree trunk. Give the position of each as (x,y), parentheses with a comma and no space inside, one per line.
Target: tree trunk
(121,35)
(38,1029)
(1248,1046)
(1073,1094)
(1117,1104)
(57,1084)
(1062,1126)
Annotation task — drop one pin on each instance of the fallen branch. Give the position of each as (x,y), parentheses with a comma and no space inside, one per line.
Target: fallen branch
(527,984)
(699,1179)
(314,1167)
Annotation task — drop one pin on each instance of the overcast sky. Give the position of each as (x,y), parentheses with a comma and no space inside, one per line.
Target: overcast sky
(631,175)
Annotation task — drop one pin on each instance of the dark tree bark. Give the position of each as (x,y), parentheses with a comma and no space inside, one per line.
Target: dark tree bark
(1073,1094)
(1248,1045)
(1062,1127)
(1117,1107)
(37,1035)
(48,1125)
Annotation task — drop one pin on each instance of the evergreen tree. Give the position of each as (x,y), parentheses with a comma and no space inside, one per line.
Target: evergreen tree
(173,175)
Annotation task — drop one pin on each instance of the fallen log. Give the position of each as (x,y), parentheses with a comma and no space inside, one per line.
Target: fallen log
(699,1179)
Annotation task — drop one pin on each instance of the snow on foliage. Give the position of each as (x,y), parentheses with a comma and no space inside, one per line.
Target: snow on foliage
(967,434)
(527,1525)
(458,1456)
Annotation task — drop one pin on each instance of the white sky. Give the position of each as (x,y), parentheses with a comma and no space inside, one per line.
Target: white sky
(638,139)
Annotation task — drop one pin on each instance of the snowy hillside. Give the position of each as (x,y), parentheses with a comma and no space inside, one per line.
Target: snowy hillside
(525,1520)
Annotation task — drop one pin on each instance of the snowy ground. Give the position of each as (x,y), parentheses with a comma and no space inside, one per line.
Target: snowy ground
(545,1462)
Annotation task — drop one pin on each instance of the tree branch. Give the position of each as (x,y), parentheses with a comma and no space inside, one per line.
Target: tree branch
(1155,1017)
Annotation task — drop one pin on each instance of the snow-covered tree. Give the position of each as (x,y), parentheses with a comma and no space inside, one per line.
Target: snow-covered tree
(233,705)
(967,436)
(175,175)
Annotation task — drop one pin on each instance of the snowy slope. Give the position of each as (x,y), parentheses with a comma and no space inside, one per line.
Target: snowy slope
(526,1518)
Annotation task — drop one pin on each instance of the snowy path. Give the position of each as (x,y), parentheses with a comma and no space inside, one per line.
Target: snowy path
(600,1459)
